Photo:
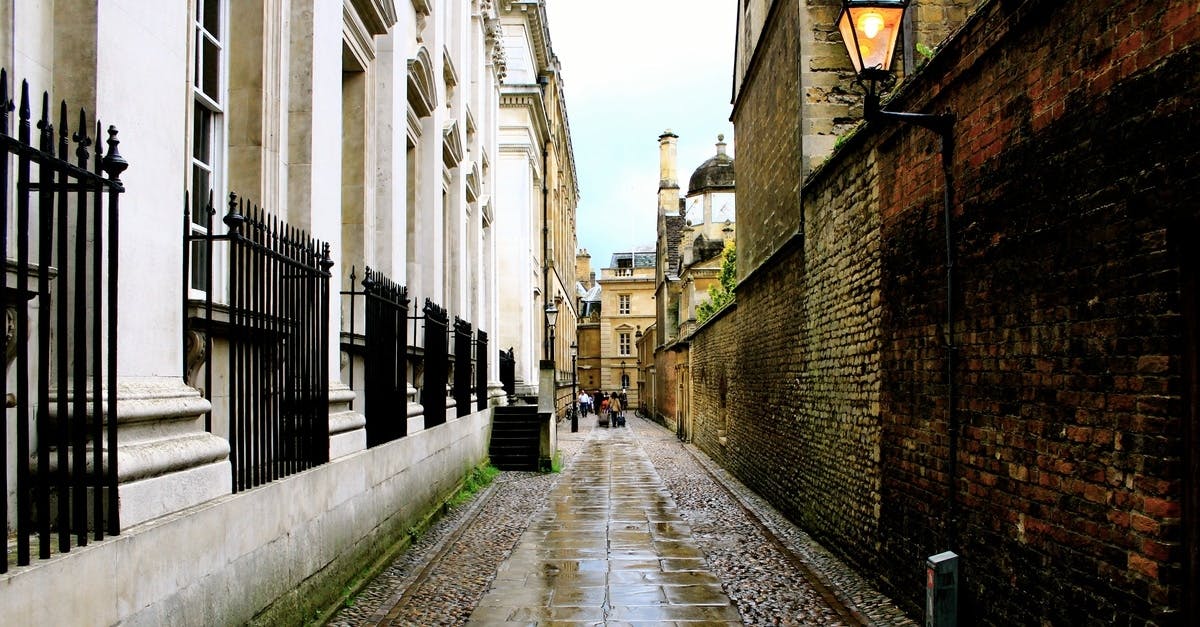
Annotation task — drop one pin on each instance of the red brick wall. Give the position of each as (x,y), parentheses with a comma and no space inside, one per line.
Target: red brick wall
(1075,174)
(667,381)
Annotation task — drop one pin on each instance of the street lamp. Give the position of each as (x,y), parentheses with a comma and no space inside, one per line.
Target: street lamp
(551,318)
(869,29)
(622,373)
(574,398)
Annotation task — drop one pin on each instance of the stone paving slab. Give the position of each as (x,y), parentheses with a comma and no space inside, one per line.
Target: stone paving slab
(609,547)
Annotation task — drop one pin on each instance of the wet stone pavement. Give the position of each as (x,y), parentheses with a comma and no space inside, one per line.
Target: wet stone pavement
(637,529)
(610,546)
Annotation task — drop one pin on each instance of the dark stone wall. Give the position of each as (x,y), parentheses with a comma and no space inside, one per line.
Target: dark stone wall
(1075,170)
(766,116)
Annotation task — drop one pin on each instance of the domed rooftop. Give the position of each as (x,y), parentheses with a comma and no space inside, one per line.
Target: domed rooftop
(716,174)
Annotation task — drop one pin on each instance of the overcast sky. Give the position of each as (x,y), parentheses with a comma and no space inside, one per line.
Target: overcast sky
(629,73)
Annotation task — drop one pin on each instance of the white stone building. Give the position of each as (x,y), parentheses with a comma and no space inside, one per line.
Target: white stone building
(537,194)
(369,125)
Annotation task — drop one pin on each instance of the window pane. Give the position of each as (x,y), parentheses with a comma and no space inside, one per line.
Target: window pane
(199,266)
(212,70)
(212,17)
(202,135)
(201,187)
(197,68)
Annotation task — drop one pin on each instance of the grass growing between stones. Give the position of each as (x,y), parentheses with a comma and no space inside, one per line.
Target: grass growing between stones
(478,479)
(481,476)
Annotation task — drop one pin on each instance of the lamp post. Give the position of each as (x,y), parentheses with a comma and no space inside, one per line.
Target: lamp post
(574,398)
(622,374)
(551,318)
(869,29)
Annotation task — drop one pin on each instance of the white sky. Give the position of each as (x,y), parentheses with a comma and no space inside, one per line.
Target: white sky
(631,71)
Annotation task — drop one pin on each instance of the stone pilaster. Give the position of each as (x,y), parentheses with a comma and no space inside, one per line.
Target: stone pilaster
(347,427)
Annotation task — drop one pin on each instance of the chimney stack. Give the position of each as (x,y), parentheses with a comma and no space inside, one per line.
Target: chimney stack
(668,183)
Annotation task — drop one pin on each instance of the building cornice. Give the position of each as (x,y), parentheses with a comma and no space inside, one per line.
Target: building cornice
(357,33)
(422,90)
(452,145)
(528,97)
(379,16)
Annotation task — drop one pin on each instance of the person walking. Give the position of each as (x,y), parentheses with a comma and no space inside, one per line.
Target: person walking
(585,402)
(614,408)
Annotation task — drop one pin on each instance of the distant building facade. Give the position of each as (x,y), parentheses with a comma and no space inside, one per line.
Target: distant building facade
(627,308)
(692,233)
(588,300)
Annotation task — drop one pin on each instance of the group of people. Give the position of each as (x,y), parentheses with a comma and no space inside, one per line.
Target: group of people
(611,404)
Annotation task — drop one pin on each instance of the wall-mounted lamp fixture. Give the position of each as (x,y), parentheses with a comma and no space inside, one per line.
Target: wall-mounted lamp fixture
(869,29)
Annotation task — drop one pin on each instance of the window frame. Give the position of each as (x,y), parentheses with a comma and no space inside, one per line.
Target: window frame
(211,136)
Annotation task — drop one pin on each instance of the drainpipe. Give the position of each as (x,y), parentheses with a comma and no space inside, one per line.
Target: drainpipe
(543,81)
(943,125)
(952,426)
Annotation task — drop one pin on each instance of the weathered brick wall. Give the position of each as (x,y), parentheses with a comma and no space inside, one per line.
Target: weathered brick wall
(1074,168)
(803,378)
(666,381)
(1069,464)
(713,368)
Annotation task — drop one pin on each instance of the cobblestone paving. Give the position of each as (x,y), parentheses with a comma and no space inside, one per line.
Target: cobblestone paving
(773,573)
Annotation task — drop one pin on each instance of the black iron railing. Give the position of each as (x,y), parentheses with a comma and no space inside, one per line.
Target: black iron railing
(433,390)
(508,372)
(278,293)
(385,356)
(65,269)
(462,366)
(481,367)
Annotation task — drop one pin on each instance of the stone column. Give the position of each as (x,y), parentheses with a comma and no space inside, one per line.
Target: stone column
(166,460)
(315,177)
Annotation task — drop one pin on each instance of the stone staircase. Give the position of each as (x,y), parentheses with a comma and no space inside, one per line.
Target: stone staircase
(515,436)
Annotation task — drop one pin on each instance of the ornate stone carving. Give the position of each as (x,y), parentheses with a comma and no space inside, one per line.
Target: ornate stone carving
(196,356)
(10,347)
(421,27)
(494,37)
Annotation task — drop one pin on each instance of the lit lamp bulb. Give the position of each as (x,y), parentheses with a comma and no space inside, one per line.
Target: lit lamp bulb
(869,31)
(870,23)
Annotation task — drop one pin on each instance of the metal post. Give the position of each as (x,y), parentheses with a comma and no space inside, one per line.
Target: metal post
(574,399)
(941,590)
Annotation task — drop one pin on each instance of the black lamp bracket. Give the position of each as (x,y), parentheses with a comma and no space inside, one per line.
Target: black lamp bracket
(940,123)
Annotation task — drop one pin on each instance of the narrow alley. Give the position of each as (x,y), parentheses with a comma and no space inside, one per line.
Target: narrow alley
(636,529)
